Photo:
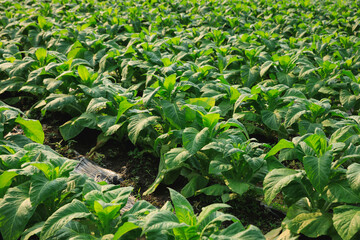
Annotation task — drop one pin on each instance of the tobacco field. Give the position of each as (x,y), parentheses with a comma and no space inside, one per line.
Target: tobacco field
(230,98)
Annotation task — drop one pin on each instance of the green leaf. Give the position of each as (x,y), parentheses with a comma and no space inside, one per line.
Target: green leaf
(284,61)
(56,102)
(313,224)
(45,167)
(251,233)
(41,188)
(193,140)
(347,99)
(161,220)
(76,231)
(175,157)
(16,210)
(83,73)
(210,120)
(70,129)
(353,176)
(214,190)
(123,107)
(183,209)
(340,191)
(293,114)
(196,182)
(317,142)
(318,170)
(250,75)
(218,166)
(173,114)
(5,181)
(265,67)
(139,122)
(208,210)
(270,119)
(41,55)
(283,143)
(205,102)
(125,228)
(34,230)
(169,82)
(41,21)
(62,216)
(286,78)
(276,180)
(97,104)
(106,212)
(32,129)
(347,221)
(237,186)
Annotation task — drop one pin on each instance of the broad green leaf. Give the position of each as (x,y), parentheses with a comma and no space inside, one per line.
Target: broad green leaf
(270,119)
(210,120)
(173,114)
(283,143)
(75,230)
(196,182)
(284,60)
(251,233)
(231,230)
(276,180)
(314,224)
(106,212)
(208,210)
(139,122)
(293,114)
(45,167)
(84,73)
(161,220)
(62,216)
(340,191)
(56,102)
(265,67)
(32,129)
(216,219)
(41,55)
(125,228)
(214,190)
(42,22)
(318,169)
(169,82)
(70,129)
(16,210)
(353,176)
(347,221)
(237,186)
(317,142)
(123,107)
(286,78)
(36,229)
(5,181)
(41,188)
(218,166)
(206,103)
(175,157)
(183,209)
(250,75)
(97,104)
(345,134)
(347,99)
(193,140)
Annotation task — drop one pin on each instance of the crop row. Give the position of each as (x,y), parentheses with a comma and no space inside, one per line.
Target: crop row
(225,93)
